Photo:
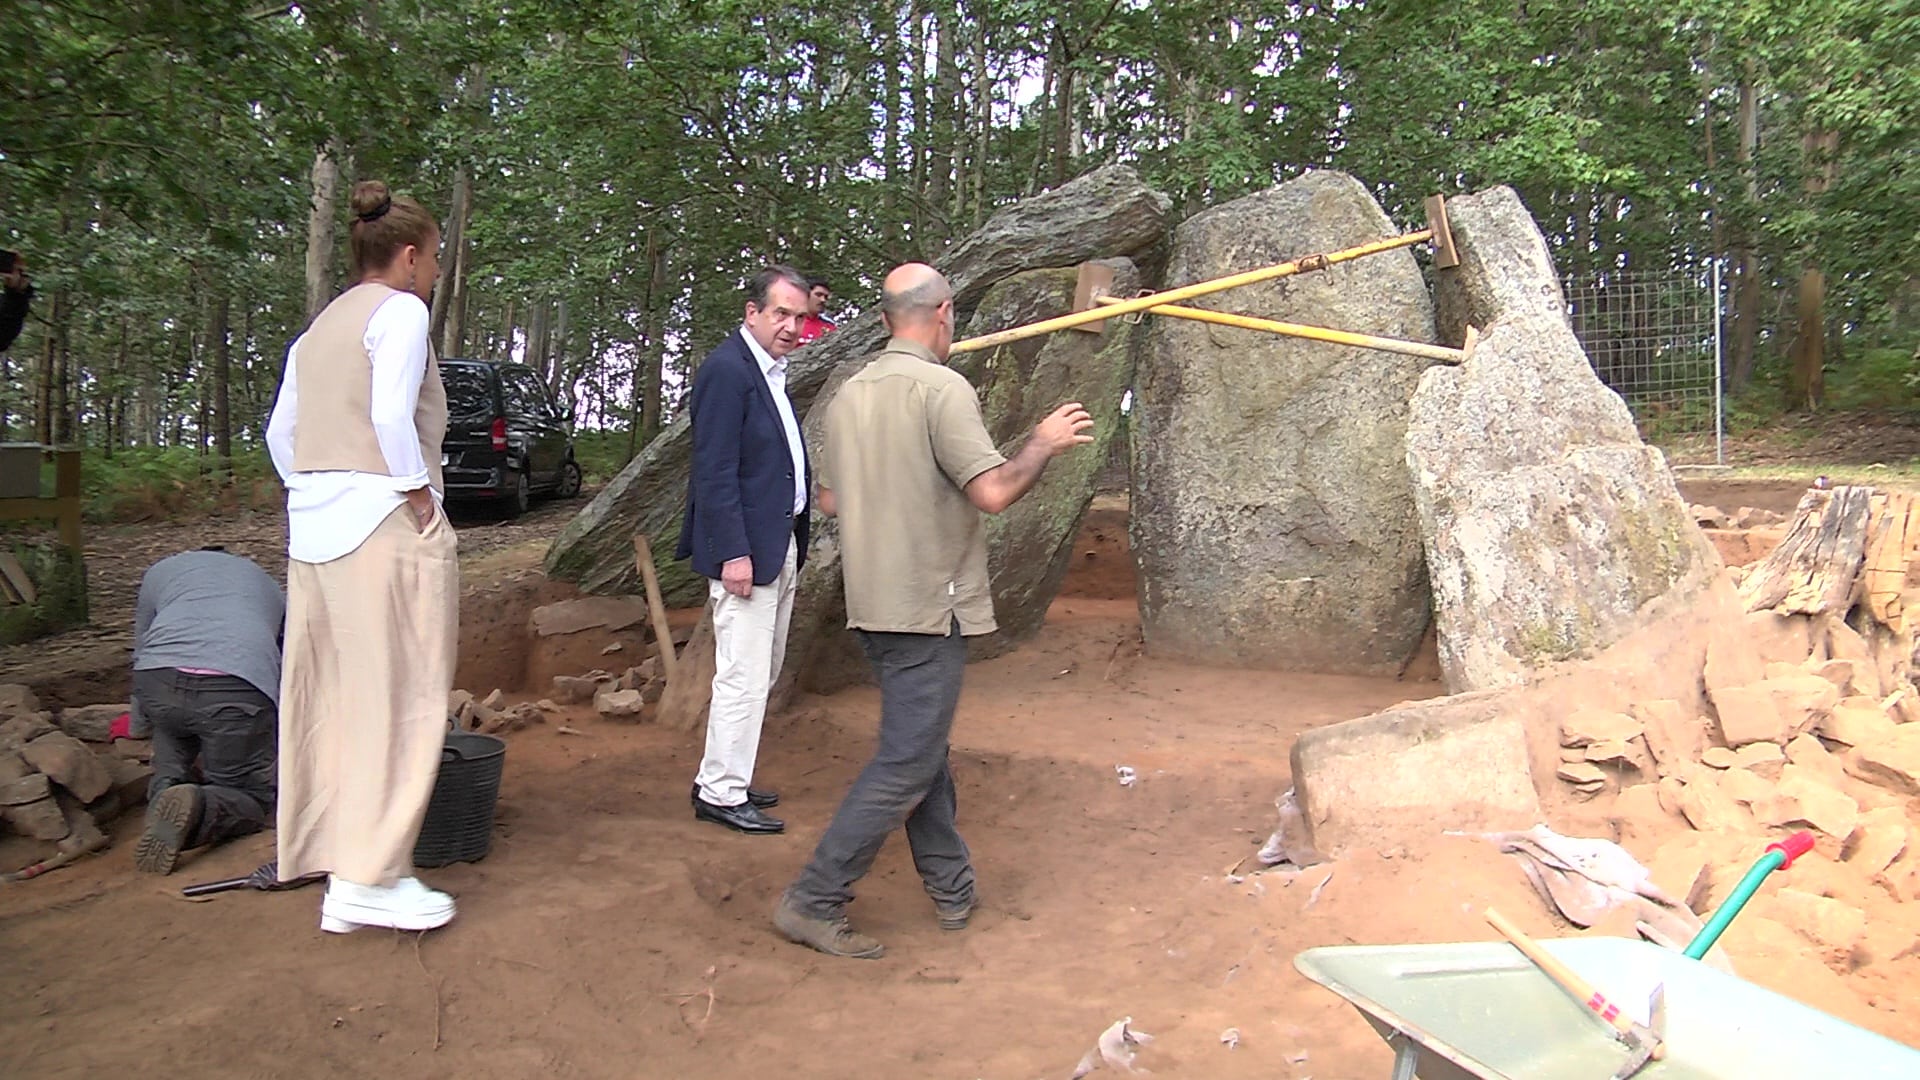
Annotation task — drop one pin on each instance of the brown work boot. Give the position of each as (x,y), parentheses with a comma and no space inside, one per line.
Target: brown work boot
(831,936)
(171,821)
(954,916)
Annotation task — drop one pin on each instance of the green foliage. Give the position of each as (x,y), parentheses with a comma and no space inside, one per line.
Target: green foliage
(1879,379)
(146,483)
(631,163)
(601,454)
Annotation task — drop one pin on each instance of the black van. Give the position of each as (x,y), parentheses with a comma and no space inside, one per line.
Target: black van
(506,438)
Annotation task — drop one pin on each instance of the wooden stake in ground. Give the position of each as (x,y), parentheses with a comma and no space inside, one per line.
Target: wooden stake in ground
(662,635)
(1815,568)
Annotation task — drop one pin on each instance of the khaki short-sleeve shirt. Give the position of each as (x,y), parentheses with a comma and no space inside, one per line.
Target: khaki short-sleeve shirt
(904,436)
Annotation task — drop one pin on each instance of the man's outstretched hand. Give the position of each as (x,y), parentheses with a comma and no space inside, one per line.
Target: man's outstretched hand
(1066,427)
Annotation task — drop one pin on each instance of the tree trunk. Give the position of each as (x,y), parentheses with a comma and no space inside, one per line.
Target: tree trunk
(983,130)
(1807,384)
(536,357)
(1746,296)
(323,210)
(659,299)
(63,411)
(43,398)
(558,381)
(917,88)
(1063,108)
(946,129)
(650,358)
(453,260)
(506,335)
(123,364)
(222,385)
(890,145)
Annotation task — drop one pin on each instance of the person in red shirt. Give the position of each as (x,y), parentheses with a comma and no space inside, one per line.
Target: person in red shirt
(816,324)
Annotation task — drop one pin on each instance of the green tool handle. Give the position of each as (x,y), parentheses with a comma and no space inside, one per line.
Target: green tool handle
(1778,857)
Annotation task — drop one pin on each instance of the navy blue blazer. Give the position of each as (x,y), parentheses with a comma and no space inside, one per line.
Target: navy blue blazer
(740,489)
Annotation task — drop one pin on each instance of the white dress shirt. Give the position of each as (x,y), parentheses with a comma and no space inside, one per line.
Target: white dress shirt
(330,514)
(775,372)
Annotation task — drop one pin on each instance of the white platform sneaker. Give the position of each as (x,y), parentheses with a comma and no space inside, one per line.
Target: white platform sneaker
(405,905)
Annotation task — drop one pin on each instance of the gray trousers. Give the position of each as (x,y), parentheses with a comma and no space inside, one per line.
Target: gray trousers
(909,781)
(230,729)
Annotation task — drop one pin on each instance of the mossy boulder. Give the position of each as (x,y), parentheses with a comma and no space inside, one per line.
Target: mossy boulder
(1030,546)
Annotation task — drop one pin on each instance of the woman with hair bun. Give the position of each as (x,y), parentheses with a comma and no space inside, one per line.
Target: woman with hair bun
(373,579)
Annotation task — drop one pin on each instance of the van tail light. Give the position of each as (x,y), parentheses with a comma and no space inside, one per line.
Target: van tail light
(499,432)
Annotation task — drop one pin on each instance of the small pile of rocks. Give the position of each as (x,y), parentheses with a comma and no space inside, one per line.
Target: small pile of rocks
(63,777)
(628,697)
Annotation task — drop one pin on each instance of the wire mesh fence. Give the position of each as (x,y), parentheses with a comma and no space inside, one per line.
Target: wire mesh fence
(1654,338)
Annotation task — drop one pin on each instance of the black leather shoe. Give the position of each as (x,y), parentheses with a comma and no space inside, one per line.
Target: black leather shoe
(762,799)
(746,817)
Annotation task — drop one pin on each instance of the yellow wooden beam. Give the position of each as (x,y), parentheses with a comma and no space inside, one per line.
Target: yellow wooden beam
(1188,292)
(1315,333)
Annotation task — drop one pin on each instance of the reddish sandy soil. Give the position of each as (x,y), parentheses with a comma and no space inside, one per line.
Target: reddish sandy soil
(610,935)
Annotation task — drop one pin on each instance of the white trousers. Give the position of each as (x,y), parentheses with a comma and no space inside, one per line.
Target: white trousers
(749,641)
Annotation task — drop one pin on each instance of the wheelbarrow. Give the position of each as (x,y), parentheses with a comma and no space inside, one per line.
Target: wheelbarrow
(1481,1010)
(1485,1010)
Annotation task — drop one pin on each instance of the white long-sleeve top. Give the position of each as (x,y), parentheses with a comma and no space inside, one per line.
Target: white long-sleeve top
(330,514)
(775,372)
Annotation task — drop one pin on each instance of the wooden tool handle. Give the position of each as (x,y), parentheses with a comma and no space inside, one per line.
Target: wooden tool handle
(1581,989)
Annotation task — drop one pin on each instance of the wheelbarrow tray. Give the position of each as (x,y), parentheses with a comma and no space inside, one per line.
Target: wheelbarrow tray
(1481,1010)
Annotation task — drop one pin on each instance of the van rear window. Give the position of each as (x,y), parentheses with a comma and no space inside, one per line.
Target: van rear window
(469,392)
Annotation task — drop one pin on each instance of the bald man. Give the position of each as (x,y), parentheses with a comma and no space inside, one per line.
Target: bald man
(908,468)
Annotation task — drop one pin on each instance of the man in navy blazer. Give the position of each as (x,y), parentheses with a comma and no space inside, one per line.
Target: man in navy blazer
(746,532)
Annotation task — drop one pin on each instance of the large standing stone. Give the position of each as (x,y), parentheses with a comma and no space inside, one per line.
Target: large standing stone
(1105,213)
(1548,523)
(1405,774)
(1273,522)
(1029,546)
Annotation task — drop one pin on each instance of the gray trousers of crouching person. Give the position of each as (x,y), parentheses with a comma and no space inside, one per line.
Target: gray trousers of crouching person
(909,781)
(216,731)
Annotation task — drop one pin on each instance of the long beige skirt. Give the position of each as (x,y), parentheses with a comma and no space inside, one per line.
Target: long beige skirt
(370,650)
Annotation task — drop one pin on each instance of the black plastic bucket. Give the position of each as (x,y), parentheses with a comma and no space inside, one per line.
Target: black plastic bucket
(459,825)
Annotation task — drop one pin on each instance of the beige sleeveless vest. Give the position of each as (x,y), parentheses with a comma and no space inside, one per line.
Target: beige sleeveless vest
(333,424)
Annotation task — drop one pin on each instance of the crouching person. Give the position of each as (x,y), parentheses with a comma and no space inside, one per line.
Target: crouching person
(206,681)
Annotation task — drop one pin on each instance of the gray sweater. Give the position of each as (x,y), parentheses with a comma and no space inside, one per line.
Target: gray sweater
(212,611)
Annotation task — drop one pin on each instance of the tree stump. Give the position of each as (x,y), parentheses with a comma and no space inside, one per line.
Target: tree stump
(1816,568)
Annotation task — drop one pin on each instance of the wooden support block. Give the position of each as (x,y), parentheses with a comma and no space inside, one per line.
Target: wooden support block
(1445,255)
(1095,280)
